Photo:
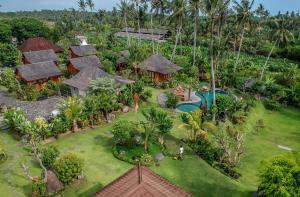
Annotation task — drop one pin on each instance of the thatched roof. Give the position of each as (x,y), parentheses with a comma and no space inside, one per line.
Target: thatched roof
(147,31)
(83,62)
(82,80)
(40,56)
(154,37)
(83,50)
(159,64)
(37,71)
(141,182)
(38,44)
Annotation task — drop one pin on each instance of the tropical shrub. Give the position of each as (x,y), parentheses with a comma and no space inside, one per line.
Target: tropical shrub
(271,105)
(17,121)
(38,187)
(42,127)
(205,149)
(3,155)
(8,80)
(59,125)
(49,156)
(145,95)
(225,104)
(9,55)
(68,168)
(29,93)
(122,131)
(280,177)
(147,160)
(172,100)
(72,109)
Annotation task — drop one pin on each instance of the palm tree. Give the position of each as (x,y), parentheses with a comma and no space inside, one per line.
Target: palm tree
(194,7)
(243,18)
(160,8)
(179,11)
(211,7)
(90,4)
(192,121)
(82,5)
(124,9)
(72,109)
(283,38)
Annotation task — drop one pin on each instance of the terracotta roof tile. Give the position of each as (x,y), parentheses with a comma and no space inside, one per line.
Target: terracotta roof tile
(141,182)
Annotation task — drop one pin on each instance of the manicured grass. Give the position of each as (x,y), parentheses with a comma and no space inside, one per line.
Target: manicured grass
(192,174)
(13,181)
(281,128)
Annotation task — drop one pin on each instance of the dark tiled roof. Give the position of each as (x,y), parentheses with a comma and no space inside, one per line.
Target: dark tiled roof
(86,75)
(141,182)
(38,44)
(82,62)
(37,71)
(158,63)
(83,50)
(40,56)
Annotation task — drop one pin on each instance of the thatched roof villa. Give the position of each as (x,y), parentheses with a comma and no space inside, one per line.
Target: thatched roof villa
(39,56)
(159,68)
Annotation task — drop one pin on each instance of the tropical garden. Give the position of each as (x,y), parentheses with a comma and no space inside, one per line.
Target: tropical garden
(246,142)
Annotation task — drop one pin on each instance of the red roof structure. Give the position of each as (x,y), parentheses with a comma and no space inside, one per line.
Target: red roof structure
(38,44)
(141,182)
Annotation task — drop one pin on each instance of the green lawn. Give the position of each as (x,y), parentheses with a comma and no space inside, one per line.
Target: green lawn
(192,174)
(281,128)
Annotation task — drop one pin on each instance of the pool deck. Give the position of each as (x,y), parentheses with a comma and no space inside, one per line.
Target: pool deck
(194,99)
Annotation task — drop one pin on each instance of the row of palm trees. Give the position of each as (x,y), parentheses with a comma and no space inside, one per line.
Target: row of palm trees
(216,20)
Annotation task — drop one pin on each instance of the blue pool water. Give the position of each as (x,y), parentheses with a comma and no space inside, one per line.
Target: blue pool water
(205,97)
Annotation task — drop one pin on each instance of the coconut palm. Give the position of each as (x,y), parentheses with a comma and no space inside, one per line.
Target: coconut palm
(192,121)
(90,4)
(282,36)
(124,9)
(211,8)
(82,5)
(194,9)
(179,12)
(244,20)
(160,8)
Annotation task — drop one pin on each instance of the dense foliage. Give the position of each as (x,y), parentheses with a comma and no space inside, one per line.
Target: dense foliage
(49,156)
(280,177)
(68,168)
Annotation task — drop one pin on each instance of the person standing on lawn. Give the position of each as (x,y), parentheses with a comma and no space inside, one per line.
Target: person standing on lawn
(181,150)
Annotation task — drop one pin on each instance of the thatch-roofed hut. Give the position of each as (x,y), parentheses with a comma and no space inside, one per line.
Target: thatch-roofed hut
(38,73)
(39,56)
(80,82)
(82,50)
(159,68)
(77,64)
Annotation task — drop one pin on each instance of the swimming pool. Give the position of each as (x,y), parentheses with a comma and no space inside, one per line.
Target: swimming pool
(205,97)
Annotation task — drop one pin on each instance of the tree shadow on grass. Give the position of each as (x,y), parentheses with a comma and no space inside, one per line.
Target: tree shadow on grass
(92,190)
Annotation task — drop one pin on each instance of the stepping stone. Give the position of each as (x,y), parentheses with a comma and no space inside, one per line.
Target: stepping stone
(284,148)
(159,156)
